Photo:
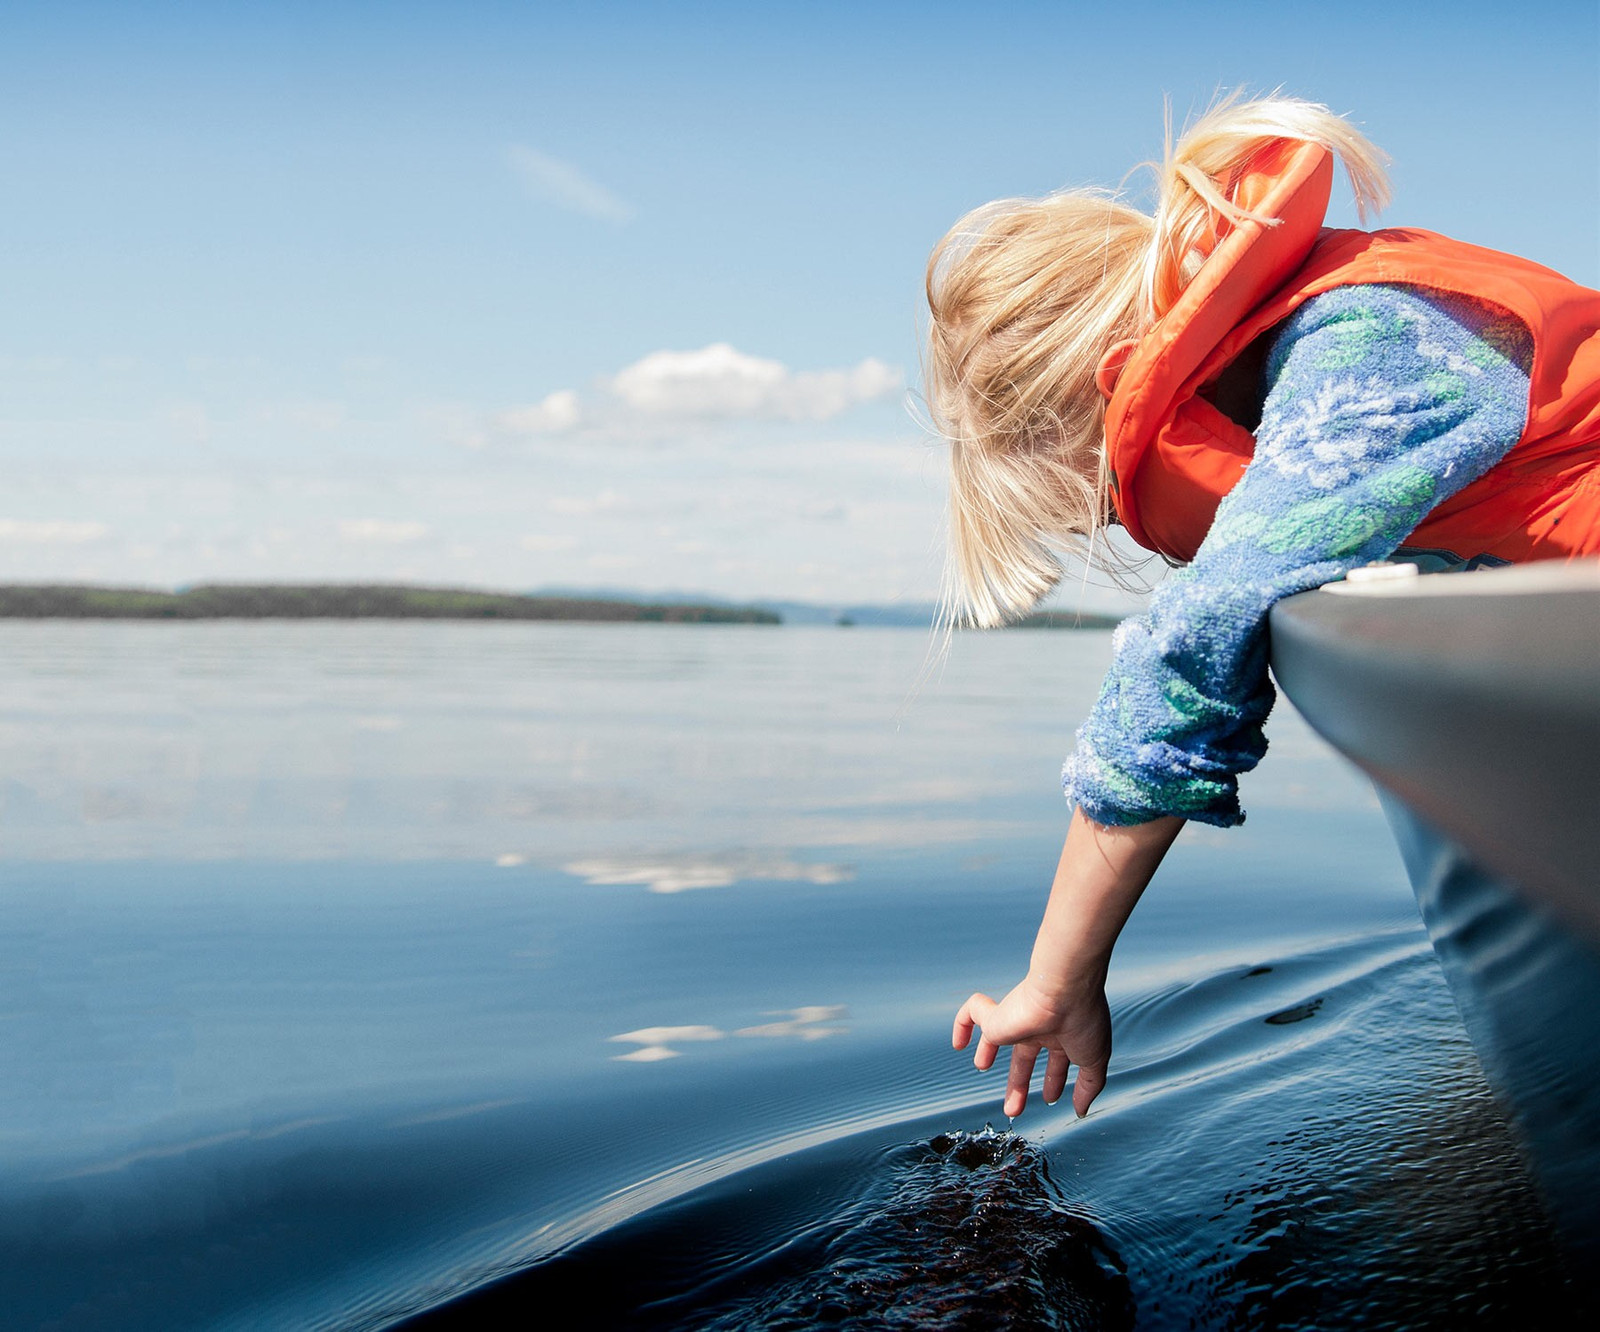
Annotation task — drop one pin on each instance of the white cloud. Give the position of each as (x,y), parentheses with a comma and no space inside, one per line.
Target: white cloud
(585,506)
(550,415)
(721,381)
(561,183)
(665,390)
(547,541)
(715,381)
(382,532)
(51,533)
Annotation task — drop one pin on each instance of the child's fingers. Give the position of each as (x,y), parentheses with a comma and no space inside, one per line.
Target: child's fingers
(1055,1077)
(971,1014)
(1022,1061)
(1091,1082)
(961,1033)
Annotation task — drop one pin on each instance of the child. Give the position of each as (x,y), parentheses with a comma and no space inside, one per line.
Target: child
(1267,403)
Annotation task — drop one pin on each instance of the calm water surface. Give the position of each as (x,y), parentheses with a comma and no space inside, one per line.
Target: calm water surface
(345,967)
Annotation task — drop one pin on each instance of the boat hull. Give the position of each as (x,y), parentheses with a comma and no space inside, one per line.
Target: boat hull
(1473,700)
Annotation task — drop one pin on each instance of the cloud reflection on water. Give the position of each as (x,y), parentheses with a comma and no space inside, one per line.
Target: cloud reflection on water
(810,1022)
(677,873)
(805,1023)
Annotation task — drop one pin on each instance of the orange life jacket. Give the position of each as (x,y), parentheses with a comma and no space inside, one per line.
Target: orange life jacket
(1173,455)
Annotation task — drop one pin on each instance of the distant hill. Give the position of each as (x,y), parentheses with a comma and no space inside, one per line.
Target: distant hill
(922,616)
(1067,620)
(907,614)
(346,602)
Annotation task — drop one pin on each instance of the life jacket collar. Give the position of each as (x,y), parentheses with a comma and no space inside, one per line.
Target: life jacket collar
(1290,181)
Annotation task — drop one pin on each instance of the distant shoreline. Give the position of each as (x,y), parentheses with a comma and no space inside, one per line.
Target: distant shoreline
(389,601)
(237,601)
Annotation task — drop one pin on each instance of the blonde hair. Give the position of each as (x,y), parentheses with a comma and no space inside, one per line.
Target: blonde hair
(1026,295)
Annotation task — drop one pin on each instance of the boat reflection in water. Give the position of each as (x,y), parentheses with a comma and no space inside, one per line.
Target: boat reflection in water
(1529,993)
(1473,700)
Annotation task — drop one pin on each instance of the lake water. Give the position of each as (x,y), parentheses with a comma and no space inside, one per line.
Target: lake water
(347,966)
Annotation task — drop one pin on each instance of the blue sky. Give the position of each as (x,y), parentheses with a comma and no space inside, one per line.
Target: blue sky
(404,290)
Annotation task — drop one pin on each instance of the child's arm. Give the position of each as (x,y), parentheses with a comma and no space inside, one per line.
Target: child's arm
(1384,402)
(1060,1005)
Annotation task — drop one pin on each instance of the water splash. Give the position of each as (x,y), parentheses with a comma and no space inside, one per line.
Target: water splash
(971,1233)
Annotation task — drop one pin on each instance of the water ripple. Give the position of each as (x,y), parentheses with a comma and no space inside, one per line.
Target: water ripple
(1244,1167)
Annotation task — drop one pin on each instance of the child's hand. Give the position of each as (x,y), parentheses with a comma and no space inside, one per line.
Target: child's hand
(1074,1029)
(1060,1006)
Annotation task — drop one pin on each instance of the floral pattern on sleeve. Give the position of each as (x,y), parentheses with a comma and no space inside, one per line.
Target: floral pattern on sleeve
(1383,402)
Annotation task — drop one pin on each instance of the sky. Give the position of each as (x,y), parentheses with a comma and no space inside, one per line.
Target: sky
(615,295)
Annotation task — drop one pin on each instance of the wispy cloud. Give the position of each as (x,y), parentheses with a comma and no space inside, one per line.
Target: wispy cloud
(562,184)
(383,532)
(715,383)
(51,533)
(802,512)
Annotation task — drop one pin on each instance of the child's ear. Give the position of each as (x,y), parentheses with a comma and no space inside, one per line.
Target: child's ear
(1105,378)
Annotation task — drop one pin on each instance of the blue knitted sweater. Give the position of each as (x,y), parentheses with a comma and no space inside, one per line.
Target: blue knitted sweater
(1379,403)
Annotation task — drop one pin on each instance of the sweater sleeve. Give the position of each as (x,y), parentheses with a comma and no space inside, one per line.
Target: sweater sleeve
(1381,403)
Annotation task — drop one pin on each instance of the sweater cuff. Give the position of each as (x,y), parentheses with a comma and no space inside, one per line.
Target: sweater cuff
(1119,798)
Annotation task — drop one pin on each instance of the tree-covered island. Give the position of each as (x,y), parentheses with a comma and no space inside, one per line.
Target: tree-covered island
(390,601)
(239,601)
